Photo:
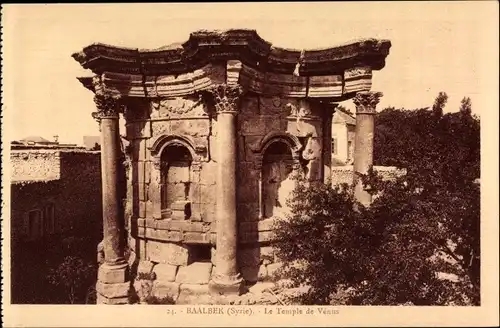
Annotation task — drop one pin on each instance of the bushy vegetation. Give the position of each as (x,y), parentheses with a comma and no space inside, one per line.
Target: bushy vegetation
(59,270)
(418,243)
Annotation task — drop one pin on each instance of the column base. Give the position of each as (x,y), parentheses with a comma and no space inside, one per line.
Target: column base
(113,285)
(226,285)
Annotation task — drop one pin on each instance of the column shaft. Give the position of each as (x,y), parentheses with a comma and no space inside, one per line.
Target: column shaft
(112,227)
(363,155)
(363,144)
(113,284)
(226,195)
(226,278)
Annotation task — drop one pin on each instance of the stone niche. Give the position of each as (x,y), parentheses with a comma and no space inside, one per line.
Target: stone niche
(172,179)
(171,185)
(280,139)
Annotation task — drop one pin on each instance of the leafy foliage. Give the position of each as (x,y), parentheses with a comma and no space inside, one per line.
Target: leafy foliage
(59,270)
(73,276)
(420,229)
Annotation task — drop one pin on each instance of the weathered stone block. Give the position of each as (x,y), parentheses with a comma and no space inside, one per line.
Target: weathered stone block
(196,238)
(113,275)
(147,170)
(266,236)
(195,128)
(175,191)
(142,192)
(208,174)
(254,273)
(149,209)
(143,288)
(195,193)
(169,253)
(208,194)
(163,289)
(272,269)
(195,273)
(142,209)
(194,294)
(250,106)
(165,272)
(178,173)
(141,245)
(100,299)
(261,125)
(212,140)
(208,213)
(213,254)
(145,267)
(160,128)
(267,253)
(251,142)
(116,290)
(266,224)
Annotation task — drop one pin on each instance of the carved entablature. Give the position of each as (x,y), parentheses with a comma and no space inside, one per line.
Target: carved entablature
(226,98)
(357,71)
(179,107)
(366,102)
(357,79)
(235,57)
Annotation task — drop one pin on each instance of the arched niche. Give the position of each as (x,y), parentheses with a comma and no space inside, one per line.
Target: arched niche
(166,140)
(176,163)
(279,166)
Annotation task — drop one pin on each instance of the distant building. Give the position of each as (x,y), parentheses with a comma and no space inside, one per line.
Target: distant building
(90,142)
(37,142)
(53,190)
(343,132)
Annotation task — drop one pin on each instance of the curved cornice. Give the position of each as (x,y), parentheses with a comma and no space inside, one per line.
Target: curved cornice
(204,47)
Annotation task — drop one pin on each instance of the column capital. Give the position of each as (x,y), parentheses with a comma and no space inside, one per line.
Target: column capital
(366,102)
(108,105)
(226,98)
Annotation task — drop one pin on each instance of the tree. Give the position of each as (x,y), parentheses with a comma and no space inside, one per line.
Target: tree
(420,228)
(73,275)
(466,107)
(96,147)
(439,104)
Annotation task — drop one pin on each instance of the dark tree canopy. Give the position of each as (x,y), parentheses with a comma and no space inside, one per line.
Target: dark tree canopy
(418,243)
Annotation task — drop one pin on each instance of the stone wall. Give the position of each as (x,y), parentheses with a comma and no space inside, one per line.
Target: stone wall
(72,198)
(268,119)
(168,240)
(37,165)
(344,174)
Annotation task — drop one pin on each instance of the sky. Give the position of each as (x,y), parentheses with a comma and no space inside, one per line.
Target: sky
(436,46)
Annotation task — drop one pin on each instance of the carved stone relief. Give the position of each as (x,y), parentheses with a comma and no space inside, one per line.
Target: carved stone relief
(179,107)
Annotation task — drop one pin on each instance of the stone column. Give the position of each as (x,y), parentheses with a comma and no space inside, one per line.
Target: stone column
(328,110)
(365,103)
(226,278)
(113,280)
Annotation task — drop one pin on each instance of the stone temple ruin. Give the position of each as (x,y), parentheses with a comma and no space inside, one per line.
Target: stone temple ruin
(217,128)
